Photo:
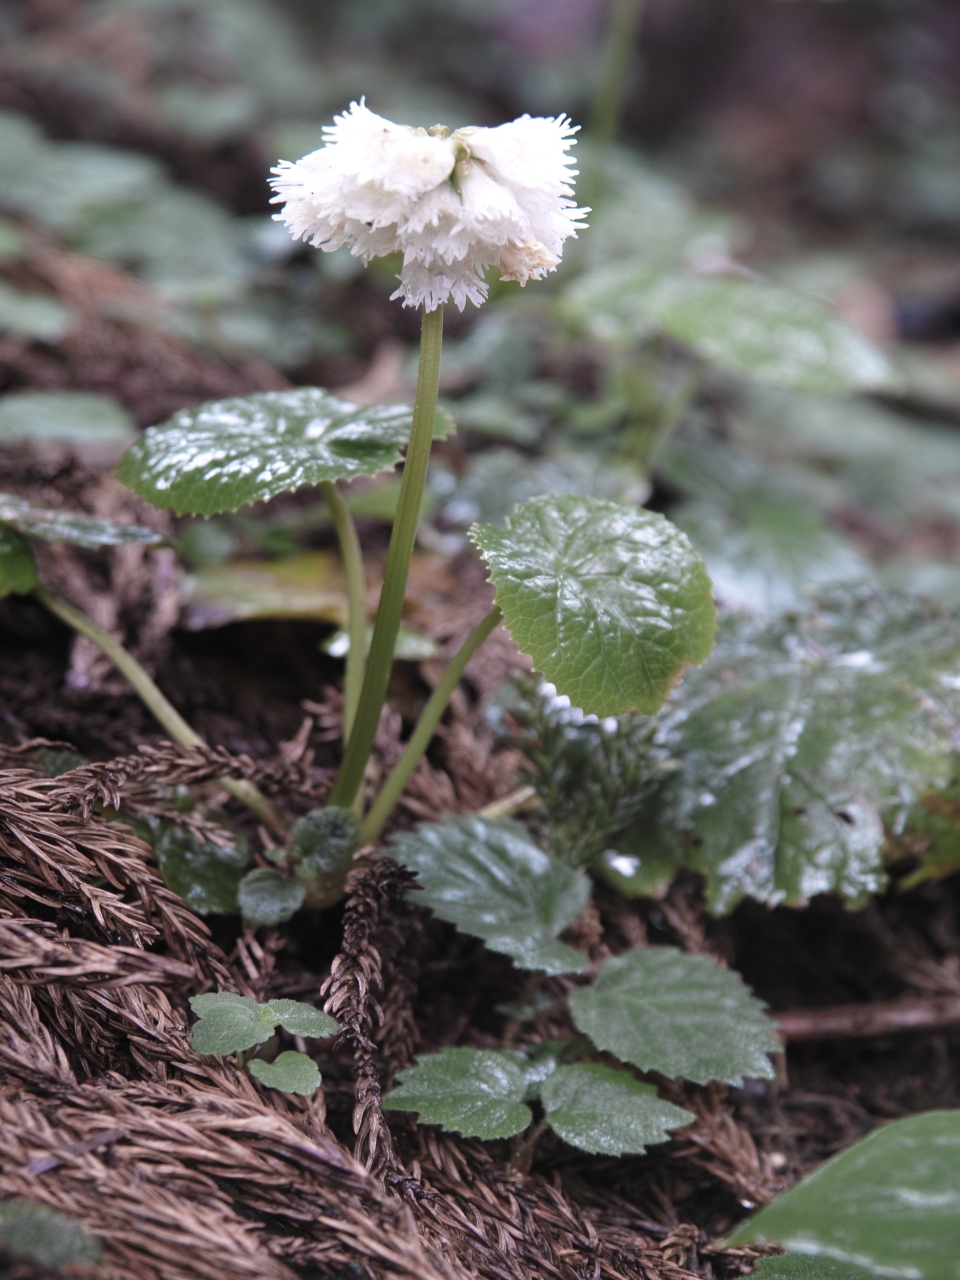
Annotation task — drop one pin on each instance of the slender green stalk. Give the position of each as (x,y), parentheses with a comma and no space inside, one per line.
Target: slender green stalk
(420,738)
(356,604)
(387,625)
(167,714)
(624,23)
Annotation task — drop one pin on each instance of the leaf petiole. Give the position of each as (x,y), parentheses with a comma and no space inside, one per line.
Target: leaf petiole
(356,603)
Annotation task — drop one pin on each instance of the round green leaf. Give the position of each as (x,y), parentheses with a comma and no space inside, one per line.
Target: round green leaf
(303,1019)
(489,880)
(204,874)
(324,840)
(750,326)
(266,898)
(475,1092)
(74,417)
(227,453)
(230,1023)
(607,1112)
(889,1204)
(678,1014)
(33,315)
(611,602)
(18,570)
(290,1072)
(64,526)
(45,1237)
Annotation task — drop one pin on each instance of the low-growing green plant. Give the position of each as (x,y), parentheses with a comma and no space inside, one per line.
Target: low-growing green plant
(229,1023)
(35,1233)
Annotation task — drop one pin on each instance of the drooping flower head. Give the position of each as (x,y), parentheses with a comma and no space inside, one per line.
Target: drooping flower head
(451,204)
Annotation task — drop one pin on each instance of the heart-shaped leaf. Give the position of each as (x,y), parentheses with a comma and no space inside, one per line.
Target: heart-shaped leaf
(230,1023)
(752,327)
(303,1019)
(267,898)
(65,526)
(678,1014)
(475,1092)
(227,453)
(611,602)
(489,880)
(290,1072)
(889,1204)
(607,1112)
(18,570)
(797,741)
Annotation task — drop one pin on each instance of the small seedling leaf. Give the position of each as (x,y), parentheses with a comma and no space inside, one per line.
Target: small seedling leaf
(267,898)
(303,1019)
(290,1072)
(64,526)
(18,570)
(45,1237)
(890,1204)
(611,602)
(225,454)
(324,840)
(204,874)
(489,880)
(230,1023)
(475,1092)
(678,1014)
(607,1112)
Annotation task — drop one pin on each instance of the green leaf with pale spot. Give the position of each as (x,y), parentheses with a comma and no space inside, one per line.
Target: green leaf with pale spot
(66,526)
(681,1015)
(798,742)
(45,1237)
(889,1204)
(607,1112)
(611,602)
(226,454)
(18,569)
(489,880)
(475,1092)
(290,1072)
(230,1023)
(303,1019)
(749,326)
(267,898)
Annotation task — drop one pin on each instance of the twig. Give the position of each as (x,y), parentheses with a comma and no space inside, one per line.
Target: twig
(881,1018)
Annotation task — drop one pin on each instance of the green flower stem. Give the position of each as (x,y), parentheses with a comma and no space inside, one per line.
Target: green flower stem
(356,603)
(420,738)
(150,695)
(624,23)
(387,625)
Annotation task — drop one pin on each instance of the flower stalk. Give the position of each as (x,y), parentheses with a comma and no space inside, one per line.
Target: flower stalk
(420,738)
(164,711)
(624,23)
(356,603)
(387,625)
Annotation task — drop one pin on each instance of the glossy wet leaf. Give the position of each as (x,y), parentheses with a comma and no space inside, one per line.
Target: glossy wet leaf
(890,1203)
(71,417)
(798,742)
(204,874)
(303,1019)
(230,1023)
(68,526)
(611,602)
(225,454)
(267,898)
(491,881)
(681,1015)
(749,326)
(290,1072)
(45,1237)
(310,584)
(18,570)
(474,1092)
(607,1112)
(33,315)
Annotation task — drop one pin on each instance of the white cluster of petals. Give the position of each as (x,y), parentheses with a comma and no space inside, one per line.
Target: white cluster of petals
(452,205)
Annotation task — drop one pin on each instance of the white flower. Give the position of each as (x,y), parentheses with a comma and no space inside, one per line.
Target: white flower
(452,205)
